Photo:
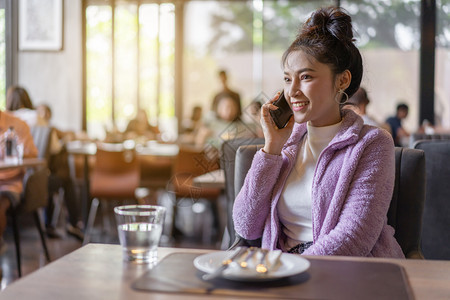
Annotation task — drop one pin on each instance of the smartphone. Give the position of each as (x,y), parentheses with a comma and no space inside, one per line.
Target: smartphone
(284,112)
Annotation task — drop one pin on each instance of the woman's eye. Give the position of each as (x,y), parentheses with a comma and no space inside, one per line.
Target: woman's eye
(305,76)
(287,79)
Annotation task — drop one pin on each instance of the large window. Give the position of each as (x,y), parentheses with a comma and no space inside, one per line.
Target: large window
(2,55)
(442,72)
(245,38)
(130,53)
(389,41)
(129,64)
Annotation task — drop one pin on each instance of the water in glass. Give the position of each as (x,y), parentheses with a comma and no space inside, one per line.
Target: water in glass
(140,241)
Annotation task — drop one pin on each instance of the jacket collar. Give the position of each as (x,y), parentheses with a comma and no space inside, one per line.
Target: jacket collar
(348,133)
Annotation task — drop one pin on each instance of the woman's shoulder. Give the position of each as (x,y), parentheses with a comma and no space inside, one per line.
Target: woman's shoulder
(376,133)
(355,132)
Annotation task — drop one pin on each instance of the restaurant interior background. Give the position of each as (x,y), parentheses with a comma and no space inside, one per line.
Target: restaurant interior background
(117,56)
(164,56)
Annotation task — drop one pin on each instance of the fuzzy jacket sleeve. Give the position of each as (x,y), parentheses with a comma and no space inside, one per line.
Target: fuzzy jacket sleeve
(356,218)
(252,204)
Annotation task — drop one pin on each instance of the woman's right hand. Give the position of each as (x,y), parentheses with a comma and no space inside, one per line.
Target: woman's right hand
(275,138)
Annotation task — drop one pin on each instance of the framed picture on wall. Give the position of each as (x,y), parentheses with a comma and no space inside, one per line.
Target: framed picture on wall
(40,25)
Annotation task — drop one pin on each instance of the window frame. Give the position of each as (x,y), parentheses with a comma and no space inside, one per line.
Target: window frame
(11,34)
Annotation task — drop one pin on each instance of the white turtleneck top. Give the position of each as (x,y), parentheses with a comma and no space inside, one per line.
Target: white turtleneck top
(294,206)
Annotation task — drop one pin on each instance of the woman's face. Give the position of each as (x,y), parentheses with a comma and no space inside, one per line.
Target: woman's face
(227,109)
(311,89)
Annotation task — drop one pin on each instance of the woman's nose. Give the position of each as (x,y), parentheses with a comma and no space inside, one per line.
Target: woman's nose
(294,89)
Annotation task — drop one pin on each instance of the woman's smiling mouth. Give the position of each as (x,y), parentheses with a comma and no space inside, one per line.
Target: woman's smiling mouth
(296,106)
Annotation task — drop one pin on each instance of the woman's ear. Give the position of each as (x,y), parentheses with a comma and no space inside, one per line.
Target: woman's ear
(344,79)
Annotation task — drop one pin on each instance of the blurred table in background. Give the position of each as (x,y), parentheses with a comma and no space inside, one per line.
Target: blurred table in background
(156,160)
(24,163)
(214,179)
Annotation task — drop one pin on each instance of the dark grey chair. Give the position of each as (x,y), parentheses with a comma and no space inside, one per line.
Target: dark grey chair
(227,163)
(405,211)
(436,215)
(415,137)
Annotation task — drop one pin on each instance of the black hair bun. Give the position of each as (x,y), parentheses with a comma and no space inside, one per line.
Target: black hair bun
(331,21)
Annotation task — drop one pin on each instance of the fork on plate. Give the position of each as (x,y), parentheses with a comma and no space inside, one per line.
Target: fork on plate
(261,267)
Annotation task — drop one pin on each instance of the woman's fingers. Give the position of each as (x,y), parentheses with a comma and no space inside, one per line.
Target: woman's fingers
(266,118)
(275,97)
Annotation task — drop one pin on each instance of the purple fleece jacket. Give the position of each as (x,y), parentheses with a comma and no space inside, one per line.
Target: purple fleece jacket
(351,191)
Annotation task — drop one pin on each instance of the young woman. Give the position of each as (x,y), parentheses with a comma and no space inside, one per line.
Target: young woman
(322,185)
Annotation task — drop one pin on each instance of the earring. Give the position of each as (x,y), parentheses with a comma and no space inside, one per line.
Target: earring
(340,92)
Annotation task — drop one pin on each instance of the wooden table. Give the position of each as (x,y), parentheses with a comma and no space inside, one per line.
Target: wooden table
(24,163)
(213,179)
(96,271)
(151,148)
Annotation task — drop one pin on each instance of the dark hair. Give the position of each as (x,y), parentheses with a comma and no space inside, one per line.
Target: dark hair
(402,106)
(328,37)
(17,98)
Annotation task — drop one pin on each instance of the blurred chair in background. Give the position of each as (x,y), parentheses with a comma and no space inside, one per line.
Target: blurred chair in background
(115,176)
(189,163)
(33,200)
(436,220)
(420,136)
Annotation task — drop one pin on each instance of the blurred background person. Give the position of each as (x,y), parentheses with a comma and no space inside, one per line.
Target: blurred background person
(399,134)
(60,177)
(225,91)
(139,127)
(18,102)
(11,180)
(252,117)
(191,126)
(224,124)
(358,103)
(44,116)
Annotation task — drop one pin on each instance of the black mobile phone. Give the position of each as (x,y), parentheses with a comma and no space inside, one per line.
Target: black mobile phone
(284,112)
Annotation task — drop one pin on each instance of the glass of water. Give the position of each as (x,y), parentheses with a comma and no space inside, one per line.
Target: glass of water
(140,228)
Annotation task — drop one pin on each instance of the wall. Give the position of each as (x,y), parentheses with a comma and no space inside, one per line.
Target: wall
(55,77)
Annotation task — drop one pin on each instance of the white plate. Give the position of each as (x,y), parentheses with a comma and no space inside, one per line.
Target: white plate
(290,264)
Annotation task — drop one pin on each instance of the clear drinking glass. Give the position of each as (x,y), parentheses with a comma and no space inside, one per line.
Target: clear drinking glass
(140,228)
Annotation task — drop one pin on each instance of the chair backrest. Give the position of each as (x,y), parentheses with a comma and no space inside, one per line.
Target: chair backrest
(116,174)
(195,161)
(415,137)
(406,208)
(189,163)
(436,215)
(35,191)
(35,182)
(405,211)
(227,163)
(41,138)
